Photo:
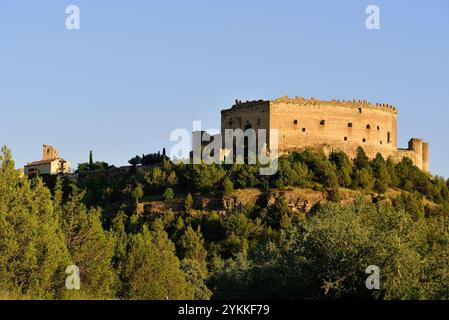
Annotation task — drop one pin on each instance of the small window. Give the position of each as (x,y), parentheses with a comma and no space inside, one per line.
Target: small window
(364,140)
(378,128)
(323,122)
(368,126)
(295,121)
(346,138)
(303,129)
(360,110)
(258,120)
(380,141)
(388,137)
(350,125)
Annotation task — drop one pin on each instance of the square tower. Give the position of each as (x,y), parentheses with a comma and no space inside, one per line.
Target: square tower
(49,152)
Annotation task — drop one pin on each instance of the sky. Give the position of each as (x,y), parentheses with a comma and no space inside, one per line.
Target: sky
(136,70)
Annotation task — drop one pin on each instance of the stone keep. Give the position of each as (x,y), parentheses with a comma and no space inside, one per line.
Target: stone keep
(329,125)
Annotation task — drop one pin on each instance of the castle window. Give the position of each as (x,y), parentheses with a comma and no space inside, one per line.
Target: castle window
(350,125)
(322,122)
(295,121)
(364,140)
(368,126)
(346,138)
(380,141)
(378,128)
(388,137)
(303,129)
(360,110)
(230,123)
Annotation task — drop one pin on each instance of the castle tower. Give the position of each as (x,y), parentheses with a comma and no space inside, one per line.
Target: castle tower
(425,157)
(417,146)
(49,152)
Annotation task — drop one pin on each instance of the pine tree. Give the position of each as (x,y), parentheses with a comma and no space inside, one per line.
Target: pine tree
(168,194)
(91,247)
(137,193)
(33,255)
(188,202)
(91,160)
(152,270)
(192,245)
(228,186)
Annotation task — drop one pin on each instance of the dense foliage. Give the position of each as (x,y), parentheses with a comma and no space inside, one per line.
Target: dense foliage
(258,250)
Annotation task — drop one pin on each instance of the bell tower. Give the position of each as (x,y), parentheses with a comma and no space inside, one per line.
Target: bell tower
(49,152)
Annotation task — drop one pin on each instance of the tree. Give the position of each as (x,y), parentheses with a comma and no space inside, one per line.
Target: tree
(325,256)
(33,255)
(203,177)
(188,202)
(91,160)
(228,186)
(137,193)
(168,194)
(196,277)
(344,168)
(192,246)
(91,248)
(91,165)
(135,161)
(381,173)
(363,178)
(361,160)
(152,270)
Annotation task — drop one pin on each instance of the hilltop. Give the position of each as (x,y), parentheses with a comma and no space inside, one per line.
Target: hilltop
(225,232)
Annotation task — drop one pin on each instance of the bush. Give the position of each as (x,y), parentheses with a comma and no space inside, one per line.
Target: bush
(168,194)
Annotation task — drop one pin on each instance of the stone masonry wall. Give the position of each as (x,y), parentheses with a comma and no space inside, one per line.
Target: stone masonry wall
(332,125)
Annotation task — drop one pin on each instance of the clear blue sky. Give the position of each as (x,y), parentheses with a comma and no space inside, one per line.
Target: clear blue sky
(136,70)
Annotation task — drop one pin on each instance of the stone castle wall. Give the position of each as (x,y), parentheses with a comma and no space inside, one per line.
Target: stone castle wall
(332,125)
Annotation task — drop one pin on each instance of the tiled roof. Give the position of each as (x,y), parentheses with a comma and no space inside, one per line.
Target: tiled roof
(35,163)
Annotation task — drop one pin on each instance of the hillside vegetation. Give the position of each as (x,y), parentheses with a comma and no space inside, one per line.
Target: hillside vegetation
(166,231)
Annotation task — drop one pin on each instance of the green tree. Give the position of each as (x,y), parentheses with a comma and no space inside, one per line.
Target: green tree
(152,270)
(168,195)
(135,161)
(33,255)
(137,193)
(363,178)
(361,160)
(91,160)
(344,168)
(188,202)
(228,186)
(196,278)
(91,247)
(192,245)
(381,173)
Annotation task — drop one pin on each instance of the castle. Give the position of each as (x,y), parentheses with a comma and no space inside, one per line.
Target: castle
(330,125)
(50,163)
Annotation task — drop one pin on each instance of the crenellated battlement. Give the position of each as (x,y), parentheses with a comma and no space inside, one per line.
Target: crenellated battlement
(337,103)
